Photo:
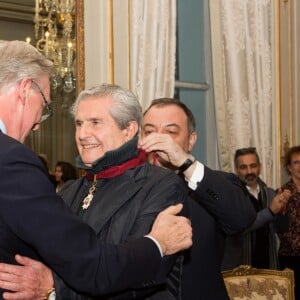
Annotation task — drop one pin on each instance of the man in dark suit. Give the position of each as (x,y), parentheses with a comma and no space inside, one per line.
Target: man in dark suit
(36,223)
(217,204)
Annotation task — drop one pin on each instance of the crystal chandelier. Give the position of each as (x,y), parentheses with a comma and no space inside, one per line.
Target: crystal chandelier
(55,34)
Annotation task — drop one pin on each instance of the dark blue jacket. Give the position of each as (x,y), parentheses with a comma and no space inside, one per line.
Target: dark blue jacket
(218,207)
(35,222)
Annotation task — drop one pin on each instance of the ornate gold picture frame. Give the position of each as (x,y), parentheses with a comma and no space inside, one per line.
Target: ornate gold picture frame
(80,65)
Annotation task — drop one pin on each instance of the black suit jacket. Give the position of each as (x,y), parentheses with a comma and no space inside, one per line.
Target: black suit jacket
(35,222)
(124,208)
(218,207)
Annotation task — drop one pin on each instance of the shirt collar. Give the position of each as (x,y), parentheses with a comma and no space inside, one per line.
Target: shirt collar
(254,192)
(2,127)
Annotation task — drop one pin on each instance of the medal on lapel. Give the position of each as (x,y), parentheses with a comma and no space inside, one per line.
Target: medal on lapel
(88,199)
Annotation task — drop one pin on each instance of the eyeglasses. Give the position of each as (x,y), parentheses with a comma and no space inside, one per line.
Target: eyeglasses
(47,112)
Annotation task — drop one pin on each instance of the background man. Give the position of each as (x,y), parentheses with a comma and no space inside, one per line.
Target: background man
(35,222)
(216,198)
(257,246)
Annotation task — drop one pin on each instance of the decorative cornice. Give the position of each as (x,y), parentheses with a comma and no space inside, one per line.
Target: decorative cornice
(21,11)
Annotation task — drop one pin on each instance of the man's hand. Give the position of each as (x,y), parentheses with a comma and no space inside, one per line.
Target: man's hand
(28,281)
(279,201)
(165,147)
(174,233)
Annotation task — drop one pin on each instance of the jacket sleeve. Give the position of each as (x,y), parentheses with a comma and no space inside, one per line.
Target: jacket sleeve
(167,190)
(264,216)
(164,189)
(223,197)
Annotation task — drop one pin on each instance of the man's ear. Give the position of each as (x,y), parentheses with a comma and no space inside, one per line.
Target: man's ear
(259,169)
(192,140)
(23,90)
(131,130)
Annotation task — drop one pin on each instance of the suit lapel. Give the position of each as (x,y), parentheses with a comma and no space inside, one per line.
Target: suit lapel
(73,194)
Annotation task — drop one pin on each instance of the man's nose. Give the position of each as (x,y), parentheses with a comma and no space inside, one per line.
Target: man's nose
(83,131)
(249,169)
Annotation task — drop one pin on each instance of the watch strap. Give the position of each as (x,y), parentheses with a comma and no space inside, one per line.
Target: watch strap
(187,163)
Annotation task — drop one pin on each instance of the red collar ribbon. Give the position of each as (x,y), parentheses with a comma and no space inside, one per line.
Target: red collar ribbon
(119,169)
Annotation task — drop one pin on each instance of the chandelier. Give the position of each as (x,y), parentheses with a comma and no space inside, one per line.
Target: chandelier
(54,24)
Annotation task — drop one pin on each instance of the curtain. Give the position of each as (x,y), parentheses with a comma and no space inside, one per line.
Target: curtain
(243,65)
(153,48)
(133,42)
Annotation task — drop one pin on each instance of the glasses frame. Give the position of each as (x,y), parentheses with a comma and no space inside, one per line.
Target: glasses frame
(46,102)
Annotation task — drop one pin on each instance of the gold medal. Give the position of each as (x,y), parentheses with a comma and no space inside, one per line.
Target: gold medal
(88,199)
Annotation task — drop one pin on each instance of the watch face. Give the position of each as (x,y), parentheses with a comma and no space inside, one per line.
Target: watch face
(52,296)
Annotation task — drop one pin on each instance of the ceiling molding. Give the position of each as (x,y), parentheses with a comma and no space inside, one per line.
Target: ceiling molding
(21,11)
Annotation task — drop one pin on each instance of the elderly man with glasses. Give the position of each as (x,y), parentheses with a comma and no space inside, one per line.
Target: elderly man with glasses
(35,222)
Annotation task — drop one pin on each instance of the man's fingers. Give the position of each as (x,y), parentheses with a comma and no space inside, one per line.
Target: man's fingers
(172,210)
(23,260)
(156,142)
(7,277)
(173,232)
(14,296)
(10,286)
(185,230)
(7,268)
(179,239)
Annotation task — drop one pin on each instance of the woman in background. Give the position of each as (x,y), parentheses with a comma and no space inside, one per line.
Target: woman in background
(289,251)
(64,171)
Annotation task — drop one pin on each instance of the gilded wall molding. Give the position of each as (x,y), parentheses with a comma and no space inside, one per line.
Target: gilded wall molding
(287,74)
(80,67)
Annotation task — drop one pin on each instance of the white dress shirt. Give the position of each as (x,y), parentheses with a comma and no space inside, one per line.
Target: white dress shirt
(2,127)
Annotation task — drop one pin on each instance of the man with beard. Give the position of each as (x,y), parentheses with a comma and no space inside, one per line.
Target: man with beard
(259,244)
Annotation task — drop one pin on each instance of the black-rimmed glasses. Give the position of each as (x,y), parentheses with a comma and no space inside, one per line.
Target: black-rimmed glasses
(47,112)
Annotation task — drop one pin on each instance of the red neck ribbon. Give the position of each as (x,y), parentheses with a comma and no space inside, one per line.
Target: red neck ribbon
(119,169)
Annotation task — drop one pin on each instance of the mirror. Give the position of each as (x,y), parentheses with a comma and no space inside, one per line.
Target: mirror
(55,138)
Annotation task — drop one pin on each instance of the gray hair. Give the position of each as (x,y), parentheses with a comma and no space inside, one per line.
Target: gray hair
(19,60)
(125,108)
